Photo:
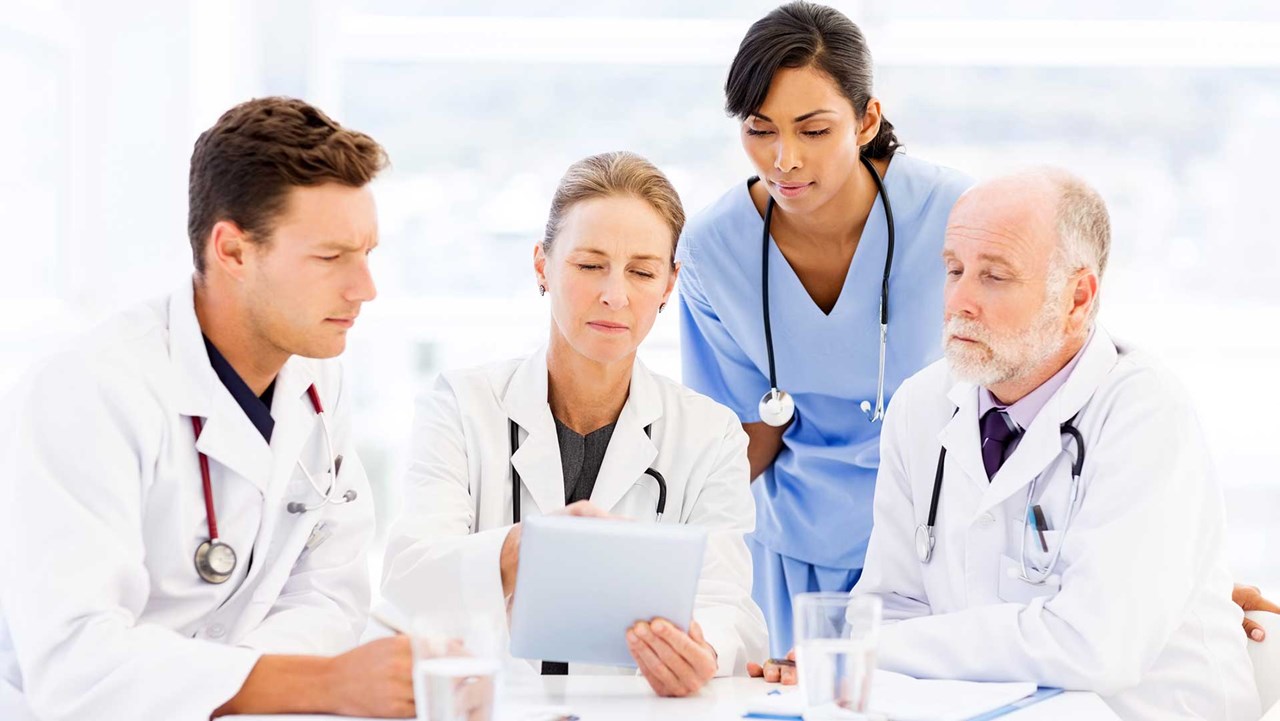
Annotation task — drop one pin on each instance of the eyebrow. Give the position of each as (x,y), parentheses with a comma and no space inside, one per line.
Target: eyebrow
(597,251)
(988,257)
(798,118)
(345,246)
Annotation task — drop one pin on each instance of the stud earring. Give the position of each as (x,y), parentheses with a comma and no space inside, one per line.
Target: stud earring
(542,290)
(664,305)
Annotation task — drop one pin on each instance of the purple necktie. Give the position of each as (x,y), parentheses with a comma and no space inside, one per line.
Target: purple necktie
(997,432)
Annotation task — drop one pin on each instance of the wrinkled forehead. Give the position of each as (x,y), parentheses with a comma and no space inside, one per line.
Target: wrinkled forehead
(1013,220)
(620,227)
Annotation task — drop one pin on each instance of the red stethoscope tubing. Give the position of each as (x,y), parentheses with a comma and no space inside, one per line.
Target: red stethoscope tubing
(198,425)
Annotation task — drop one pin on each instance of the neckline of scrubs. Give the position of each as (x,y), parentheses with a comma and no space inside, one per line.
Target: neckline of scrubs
(871,244)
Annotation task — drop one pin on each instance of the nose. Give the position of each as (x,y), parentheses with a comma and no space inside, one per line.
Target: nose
(960,297)
(362,288)
(787,157)
(613,293)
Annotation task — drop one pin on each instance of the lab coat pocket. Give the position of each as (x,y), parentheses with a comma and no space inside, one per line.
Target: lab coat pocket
(1038,558)
(1013,587)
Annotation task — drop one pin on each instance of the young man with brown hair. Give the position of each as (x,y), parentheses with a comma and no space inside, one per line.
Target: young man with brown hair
(186,523)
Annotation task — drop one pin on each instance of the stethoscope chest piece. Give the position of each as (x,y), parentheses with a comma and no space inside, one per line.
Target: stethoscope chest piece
(777,408)
(215,561)
(924,543)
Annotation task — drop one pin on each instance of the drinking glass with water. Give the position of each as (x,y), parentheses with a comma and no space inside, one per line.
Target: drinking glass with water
(456,668)
(836,638)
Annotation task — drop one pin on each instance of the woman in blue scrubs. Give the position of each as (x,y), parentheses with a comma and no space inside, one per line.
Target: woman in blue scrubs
(801,87)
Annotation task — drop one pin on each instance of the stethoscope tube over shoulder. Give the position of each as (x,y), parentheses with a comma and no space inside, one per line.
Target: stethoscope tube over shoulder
(926,539)
(513,431)
(215,560)
(777,407)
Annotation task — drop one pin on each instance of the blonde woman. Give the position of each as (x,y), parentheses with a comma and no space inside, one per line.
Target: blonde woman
(588,419)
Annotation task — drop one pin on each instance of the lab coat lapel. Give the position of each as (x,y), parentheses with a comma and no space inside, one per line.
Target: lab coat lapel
(1043,441)
(631,452)
(228,437)
(297,427)
(538,459)
(960,437)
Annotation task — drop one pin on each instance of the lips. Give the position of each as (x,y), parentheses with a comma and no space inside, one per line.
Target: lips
(791,190)
(607,326)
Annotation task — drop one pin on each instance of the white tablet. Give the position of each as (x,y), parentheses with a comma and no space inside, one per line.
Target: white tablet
(584,581)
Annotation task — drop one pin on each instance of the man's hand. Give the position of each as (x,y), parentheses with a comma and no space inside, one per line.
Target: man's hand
(370,680)
(674,663)
(509,558)
(1250,599)
(775,671)
(375,679)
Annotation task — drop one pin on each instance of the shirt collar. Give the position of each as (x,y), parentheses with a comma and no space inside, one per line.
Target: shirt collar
(258,409)
(1025,409)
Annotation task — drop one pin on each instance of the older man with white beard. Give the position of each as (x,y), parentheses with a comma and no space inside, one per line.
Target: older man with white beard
(995,558)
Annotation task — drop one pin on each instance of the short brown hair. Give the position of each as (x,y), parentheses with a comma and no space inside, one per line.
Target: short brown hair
(243,167)
(612,174)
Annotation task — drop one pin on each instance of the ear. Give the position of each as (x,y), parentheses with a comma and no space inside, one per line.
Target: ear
(1083,297)
(870,123)
(671,282)
(540,264)
(226,249)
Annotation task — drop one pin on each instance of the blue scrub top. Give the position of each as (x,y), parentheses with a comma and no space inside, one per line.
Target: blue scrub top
(814,503)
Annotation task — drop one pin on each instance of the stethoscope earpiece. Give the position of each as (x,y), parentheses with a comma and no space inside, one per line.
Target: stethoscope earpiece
(777,408)
(215,560)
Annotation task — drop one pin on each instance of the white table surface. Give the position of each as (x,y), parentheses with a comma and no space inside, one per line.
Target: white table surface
(628,698)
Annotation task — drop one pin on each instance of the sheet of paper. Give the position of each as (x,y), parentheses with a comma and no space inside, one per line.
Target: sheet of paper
(903,698)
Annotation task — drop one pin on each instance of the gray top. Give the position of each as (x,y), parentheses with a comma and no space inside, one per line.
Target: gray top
(580,457)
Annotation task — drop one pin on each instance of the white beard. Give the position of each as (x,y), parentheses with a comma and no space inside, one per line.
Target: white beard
(998,358)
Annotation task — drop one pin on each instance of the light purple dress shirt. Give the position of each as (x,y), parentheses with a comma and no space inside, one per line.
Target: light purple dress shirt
(1025,409)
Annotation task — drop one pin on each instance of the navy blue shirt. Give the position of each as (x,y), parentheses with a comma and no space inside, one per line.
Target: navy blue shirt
(258,408)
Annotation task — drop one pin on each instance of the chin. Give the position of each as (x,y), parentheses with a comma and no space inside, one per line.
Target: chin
(969,364)
(322,349)
(605,351)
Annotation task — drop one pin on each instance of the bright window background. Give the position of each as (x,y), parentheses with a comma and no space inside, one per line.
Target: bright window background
(1170,108)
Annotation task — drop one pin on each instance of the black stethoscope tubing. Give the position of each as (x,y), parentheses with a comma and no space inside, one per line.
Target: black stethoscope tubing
(884,285)
(925,546)
(514,431)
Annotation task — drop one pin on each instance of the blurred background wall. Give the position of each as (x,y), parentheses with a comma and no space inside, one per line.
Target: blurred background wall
(1172,109)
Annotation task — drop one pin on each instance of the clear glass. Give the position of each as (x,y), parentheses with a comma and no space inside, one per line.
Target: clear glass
(836,638)
(457,664)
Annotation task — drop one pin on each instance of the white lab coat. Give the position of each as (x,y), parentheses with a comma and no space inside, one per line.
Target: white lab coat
(442,554)
(102,614)
(1144,616)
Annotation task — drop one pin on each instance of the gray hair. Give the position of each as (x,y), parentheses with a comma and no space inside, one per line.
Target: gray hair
(1084,229)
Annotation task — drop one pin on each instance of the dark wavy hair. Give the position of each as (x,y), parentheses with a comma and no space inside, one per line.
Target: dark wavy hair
(243,167)
(798,35)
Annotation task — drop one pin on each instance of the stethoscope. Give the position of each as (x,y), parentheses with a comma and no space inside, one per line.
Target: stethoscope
(777,407)
(925,538)
(514,430)
(215,559)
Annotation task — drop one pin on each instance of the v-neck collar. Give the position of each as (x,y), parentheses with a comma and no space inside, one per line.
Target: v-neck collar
(872,243)
(257,408)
